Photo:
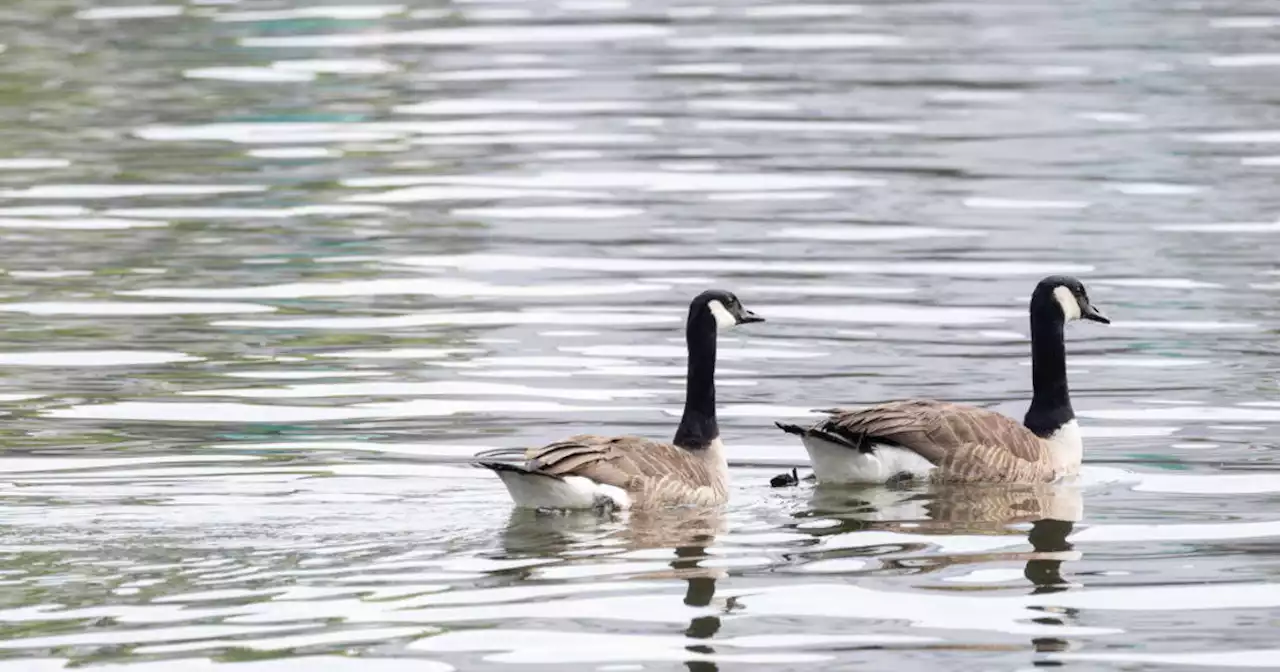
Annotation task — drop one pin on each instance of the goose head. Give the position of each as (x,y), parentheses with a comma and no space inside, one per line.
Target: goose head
(723,307)
(1066,296)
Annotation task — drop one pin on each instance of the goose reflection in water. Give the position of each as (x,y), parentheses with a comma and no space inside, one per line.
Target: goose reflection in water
(945,511)
(1044,569)
(945,508)
(1049,539)
(687,532)
(541,534)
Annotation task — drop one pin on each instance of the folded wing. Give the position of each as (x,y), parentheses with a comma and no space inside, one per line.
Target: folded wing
(966,443)
(653,473)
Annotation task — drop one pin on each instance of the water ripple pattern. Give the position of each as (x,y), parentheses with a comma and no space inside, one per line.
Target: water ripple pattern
(274,269)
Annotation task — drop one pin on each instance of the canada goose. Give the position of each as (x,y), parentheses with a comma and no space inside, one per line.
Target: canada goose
(623,472)
(945,442)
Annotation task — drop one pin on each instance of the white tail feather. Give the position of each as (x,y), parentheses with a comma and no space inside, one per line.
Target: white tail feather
(833,463)
(532,491)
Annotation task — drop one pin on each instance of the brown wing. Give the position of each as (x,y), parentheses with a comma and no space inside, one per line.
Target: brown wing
(967,443)
(653,473)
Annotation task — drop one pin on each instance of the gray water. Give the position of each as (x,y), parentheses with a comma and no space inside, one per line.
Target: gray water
(273,270)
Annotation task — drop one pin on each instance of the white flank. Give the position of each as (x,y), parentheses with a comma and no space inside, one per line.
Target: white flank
(1070,306)
(724,318)
(1067,448)
(531,491)
(716,453)
(833,463)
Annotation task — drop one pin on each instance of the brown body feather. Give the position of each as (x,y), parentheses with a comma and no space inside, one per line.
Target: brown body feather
(966,444)
(654,474)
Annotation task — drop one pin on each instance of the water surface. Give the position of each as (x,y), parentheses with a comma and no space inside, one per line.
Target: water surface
(273,271)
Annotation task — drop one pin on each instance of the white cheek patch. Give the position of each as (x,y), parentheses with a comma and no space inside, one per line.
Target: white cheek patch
(1070,306)
(724,318)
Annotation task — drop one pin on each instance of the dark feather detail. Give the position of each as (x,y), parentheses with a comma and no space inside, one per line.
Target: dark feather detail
(505,454)
(826,433)
(791,429)
(513,467)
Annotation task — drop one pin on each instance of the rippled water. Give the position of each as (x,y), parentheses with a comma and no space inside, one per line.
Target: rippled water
(273,270)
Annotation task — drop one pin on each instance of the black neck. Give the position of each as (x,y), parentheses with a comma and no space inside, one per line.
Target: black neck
(698,426)
(1050,399)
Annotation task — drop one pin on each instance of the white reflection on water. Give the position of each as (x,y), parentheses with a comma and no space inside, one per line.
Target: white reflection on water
(679,352)
(1257,658)
(407,286)
(132,308)
(1187,414)
(984,203)
(337,66)
(320,132)
(563,139)
(888,314)
(502,74)
(549,212)
(70,358)
(106,191)
(1241,137)
(289,642)
(335,12)
(546,35)
(808,126)
(652,181)
(77,223)
(1154,188)
(1134,362)
(1246,22)
(1157,283)
(236,412)
(824,290)
(331,663)
(135,636)
(403,353)
(295,152)
(471,106)
(872,233)
(33,163)
(1013,615)
(584,317)
(290,374)
(510,263)
(129,12)
(249,74)
(1223,227)
(440,388)
(551,647)
(802,10)
(463,193)
(200,213)
(792,41)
